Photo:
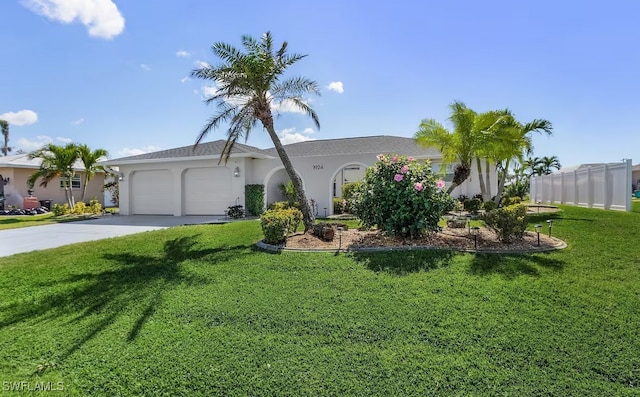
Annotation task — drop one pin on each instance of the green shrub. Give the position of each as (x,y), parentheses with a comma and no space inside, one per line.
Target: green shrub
(508,223)
(338,205)
(276,224)
(282,205)
(401,196)
(289,192)
(473,205)
(254,199)
(488,205)
(349,189)
(235,211)
(517,189)
(95,207)
(507,201)
(80,208)
(59,210)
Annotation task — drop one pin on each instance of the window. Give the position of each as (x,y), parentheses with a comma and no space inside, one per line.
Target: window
(75,182)
(447,176)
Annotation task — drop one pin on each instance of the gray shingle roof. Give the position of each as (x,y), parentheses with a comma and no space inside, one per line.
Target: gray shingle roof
(208,149)
(358,145)
(327,147)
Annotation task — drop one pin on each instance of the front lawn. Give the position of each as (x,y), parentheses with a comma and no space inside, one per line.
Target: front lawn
(198,310)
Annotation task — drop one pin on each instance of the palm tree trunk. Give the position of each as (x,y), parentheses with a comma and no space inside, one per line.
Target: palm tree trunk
(308,218)
(84,188)
(483,189)
(502,177)
(487,175)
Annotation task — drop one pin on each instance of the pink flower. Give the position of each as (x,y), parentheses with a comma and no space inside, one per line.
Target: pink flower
(404,169)
(418,186)
(440,184)
(410,158)
(395,159)
(398,177)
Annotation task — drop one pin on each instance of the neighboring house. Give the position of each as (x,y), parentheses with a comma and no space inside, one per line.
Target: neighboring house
(188,181)
(16,170)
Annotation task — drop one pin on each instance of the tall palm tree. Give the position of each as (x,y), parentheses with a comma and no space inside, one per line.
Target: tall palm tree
(548,163)
(516,142)
(57,162)
(533,165)
(457,146)
(249,84)
(89,160)
(5,133)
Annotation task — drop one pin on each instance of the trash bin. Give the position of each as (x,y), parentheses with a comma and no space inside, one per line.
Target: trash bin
(46,204)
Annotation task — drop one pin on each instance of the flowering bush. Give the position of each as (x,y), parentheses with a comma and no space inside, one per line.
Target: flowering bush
(401,196)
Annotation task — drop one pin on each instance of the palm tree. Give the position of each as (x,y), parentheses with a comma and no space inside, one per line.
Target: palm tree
(516,141)
(89,160)
(457,146)
(548,163)
(5,133)
(533,165)
(57,162)
(249,84)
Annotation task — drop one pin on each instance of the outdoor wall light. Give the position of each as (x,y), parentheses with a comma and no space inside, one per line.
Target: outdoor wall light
(236,172)
(538,227)
(550,223)
(474,231)
(121,177)
(6,180)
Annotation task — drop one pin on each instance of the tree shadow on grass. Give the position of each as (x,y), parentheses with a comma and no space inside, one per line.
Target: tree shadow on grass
(512,266)
(135,285)
(405,262)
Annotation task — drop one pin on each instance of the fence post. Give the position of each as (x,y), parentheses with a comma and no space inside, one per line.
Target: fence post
(629,172)
(607,195)
(576,195)
(589,189)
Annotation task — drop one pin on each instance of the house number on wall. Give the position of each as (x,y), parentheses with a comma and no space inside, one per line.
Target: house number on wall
(318,167)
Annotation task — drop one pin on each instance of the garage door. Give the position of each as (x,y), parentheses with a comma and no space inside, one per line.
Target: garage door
(207,191)
(152,192)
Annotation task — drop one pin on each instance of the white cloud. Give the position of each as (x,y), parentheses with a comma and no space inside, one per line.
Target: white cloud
(289,135)
(145,67)
(184,79)
(78,122)
(31,144)
(136,151)
(183,54)
(21,117)
(209,90)
(336,86)
(202,64)
(101,17)
(287,106)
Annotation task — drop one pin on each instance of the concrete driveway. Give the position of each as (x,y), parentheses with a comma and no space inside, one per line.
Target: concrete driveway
(26,239)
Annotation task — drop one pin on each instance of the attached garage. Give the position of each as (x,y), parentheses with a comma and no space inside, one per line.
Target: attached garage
(207,190)
(152,192)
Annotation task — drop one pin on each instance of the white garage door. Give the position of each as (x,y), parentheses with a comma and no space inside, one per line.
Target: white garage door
(207,191)
(152,192)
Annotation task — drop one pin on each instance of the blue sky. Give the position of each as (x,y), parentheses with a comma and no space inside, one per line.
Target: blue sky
(114,73)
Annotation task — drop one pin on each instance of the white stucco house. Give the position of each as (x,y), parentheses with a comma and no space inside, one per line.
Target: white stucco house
(188,181)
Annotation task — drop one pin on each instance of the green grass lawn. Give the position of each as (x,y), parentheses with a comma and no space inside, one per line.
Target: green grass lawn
(18,221)
(198,310)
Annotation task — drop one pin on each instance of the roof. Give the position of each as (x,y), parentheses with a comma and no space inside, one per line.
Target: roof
(358,145)
(23,161)
(326,147)
(203,150)
(577,167)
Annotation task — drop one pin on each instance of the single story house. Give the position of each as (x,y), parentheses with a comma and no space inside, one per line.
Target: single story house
(188,181)
(15,170)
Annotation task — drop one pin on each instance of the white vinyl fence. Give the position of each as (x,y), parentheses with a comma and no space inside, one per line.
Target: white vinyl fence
(606,186)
